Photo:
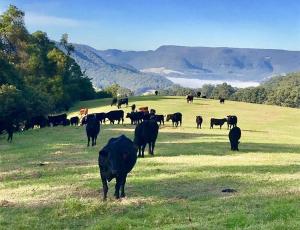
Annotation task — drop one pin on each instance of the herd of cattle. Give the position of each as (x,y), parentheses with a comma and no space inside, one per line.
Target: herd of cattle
(118,157)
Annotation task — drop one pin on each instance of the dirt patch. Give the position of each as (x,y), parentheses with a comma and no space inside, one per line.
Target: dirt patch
(6,203)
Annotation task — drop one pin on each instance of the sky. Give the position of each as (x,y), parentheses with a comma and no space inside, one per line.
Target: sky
(148,24)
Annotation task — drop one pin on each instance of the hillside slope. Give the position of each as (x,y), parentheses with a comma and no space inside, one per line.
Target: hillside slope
(104,74)
(179,188)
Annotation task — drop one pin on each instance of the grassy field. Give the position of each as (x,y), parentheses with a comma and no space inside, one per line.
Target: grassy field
(179,188)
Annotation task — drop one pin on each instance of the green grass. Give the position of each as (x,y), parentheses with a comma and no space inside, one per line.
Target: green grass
(179,188)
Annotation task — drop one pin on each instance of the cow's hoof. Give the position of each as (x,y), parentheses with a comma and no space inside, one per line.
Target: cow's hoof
(122,195)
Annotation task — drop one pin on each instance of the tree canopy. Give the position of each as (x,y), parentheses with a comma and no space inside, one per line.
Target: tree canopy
(35,76)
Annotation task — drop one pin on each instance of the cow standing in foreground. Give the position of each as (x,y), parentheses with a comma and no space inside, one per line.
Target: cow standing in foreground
(146,133)
(219,122)
(92,129)
(116,160)
(176,119)
(199,121)
(222,100)
(234,137)
(231,121)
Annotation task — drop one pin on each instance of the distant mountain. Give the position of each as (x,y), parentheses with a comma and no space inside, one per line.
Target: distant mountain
(104,73)
(240,64)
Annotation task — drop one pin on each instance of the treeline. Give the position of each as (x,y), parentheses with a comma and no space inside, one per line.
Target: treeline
(281,90)
(36,78)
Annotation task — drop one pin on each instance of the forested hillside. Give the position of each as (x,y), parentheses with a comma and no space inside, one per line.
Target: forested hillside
(36,78)
(280,90)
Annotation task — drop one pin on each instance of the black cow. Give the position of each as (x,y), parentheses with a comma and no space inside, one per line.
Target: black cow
(116,160)
(146,133)
(231,121)
(57,120)
(156,92)
(234,137)
(100,117)
(122,101)
(198,94)
(158,118)
(176,118)
(199,121)
(204,97)
(74,121)
(114,101)
(92,128)
(215,121)
(135,117)
(40,121)
(115,115)
(8,126)
(133,108)
(189,98)
(222,100)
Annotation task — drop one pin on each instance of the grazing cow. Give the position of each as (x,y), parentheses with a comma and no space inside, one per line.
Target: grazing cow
(9,128)
(204,97)
(116,160)
(215,121)
(158,118)
(222,100)
(176,118)
(57,120)
(231,121)
(198,94)
(100,117)
(234,137)
(122,101)
(189,98)
(133,108)
(199,121)
(40,121)
(92,128)
(146,133)
(114,101)
(156,92)
(115,115)
(74,121)
(83,112)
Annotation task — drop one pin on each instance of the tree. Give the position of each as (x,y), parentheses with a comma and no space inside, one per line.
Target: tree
(66,45)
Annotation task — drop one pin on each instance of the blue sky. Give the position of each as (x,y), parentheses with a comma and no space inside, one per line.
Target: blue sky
(148,24)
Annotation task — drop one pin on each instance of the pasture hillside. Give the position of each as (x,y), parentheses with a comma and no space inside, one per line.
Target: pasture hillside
(179,188)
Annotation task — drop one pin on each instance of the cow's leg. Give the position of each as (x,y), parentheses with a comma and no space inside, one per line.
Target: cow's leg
(153,146)
(104,184)
(117,187)
(95,139)
(143,149)
(139,150)
(231,145)
(123,185)
(88,144)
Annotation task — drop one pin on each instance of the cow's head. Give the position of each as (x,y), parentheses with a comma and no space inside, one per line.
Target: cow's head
(169,117)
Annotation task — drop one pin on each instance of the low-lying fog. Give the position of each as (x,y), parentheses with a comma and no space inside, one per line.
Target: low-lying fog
(197,83)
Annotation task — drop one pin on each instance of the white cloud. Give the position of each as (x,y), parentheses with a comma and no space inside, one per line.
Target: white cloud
(34,19)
